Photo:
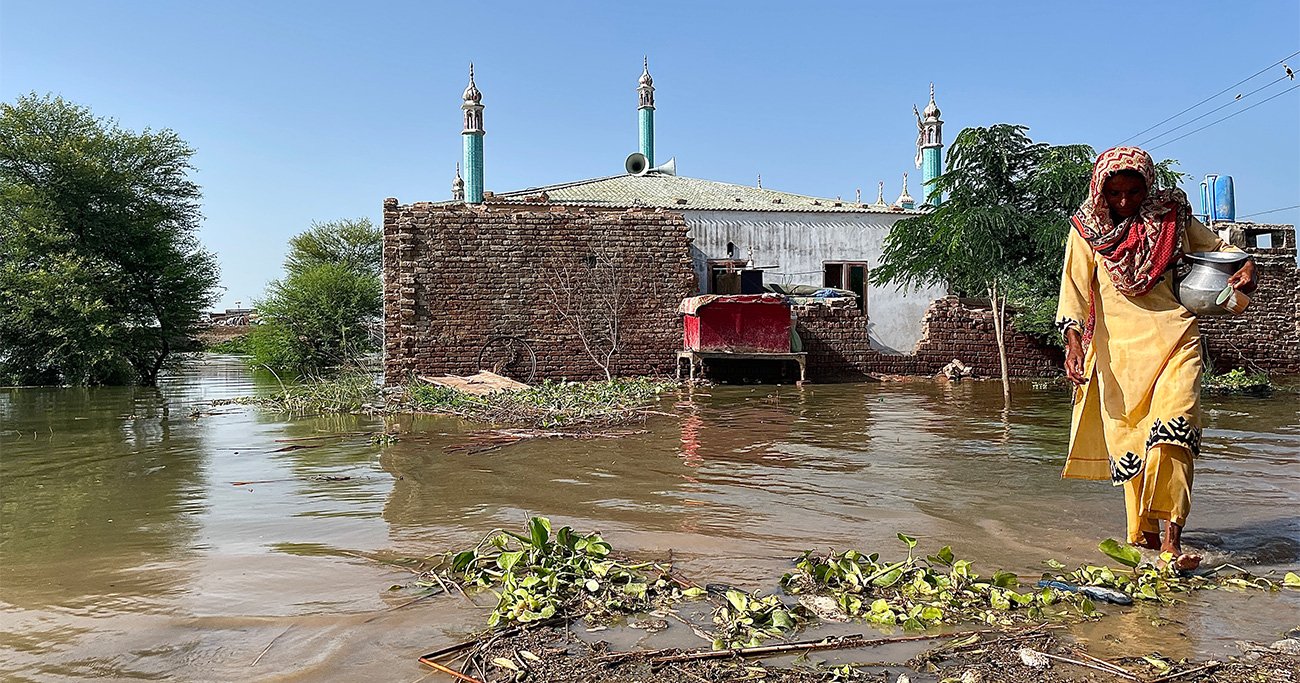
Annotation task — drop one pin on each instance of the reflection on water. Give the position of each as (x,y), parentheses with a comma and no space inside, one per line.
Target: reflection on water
(128,551)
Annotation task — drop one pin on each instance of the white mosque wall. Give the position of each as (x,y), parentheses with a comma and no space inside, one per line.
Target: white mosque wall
(798,244)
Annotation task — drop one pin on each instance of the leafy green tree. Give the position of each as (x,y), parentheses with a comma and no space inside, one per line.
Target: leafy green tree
(101,273)
(320,316)
(355,244)
(1001,230)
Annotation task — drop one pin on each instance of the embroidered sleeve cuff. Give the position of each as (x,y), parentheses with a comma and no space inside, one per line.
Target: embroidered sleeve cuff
(1063,324)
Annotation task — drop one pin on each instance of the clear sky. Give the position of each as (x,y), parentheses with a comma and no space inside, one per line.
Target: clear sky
(305,112)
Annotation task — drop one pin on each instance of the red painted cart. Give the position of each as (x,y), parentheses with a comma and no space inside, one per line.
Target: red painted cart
(738,326)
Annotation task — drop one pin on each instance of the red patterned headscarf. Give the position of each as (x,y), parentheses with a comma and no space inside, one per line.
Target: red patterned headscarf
(1139,249)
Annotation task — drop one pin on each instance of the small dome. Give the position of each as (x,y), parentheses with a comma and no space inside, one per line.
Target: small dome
(904,199)
(472,95)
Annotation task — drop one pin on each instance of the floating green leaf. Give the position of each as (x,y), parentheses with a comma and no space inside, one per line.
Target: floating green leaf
(1122,553)
(1003,579)
(508,560)
(539,529)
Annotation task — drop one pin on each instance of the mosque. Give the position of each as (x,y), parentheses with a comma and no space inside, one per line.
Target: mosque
(487,263)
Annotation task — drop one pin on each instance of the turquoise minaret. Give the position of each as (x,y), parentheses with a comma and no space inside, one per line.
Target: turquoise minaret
(472,138)
(930,149)
(645,92)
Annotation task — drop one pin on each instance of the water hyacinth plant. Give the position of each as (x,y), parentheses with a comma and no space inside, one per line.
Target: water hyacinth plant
(1158,581)
(543,575)
(918,593)
(745,620)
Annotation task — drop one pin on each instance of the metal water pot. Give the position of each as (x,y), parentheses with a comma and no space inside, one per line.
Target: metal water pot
(1209,274)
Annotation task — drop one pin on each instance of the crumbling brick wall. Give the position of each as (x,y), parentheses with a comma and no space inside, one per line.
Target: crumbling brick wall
(1267,336)
(456,275)
(836,340)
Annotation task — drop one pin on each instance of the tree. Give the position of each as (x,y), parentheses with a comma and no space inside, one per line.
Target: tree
(101,272)
(1005,212)
(355,244)
(319,317)
(1001,231)
(595,300)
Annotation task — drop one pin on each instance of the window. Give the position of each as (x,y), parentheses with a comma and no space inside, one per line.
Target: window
(850,275)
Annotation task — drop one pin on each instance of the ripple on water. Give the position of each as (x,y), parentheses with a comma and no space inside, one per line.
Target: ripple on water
(126,519)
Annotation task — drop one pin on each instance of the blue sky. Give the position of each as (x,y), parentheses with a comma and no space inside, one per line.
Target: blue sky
(305,112)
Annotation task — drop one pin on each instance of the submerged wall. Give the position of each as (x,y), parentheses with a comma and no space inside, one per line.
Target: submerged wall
(839,350)
(456,275)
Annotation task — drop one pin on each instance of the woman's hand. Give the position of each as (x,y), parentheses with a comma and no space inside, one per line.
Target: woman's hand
(1074,356)
(1244,280)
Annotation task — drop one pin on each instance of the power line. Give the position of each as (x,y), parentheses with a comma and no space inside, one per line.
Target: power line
(1261,213)
(1171,118)
(1229,104)
(1242,111)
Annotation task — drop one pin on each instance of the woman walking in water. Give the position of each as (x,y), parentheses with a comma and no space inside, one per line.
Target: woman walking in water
(1131,349)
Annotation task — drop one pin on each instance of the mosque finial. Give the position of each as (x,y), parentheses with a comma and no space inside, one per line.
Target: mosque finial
(472,94)
(905,200)
(931,113)
(858,195)
(646,79)
(880,198)
(760,181)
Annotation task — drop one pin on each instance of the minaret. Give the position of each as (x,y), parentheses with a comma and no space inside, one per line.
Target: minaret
(905,200)
(931,149)
(472,138)
(458,187)
(645,91)
(880,196)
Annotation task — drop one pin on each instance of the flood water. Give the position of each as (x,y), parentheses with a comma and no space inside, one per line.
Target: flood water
(142,540)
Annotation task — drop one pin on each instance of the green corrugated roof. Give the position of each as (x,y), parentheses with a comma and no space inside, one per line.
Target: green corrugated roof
(657,190)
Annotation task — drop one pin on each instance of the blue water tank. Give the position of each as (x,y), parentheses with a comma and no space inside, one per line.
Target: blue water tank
(1223,206)
(1204,215)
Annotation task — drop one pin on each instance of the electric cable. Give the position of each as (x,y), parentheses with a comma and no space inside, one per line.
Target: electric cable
(1261,213)
(1171,118)
(1242,111)
(1191,121)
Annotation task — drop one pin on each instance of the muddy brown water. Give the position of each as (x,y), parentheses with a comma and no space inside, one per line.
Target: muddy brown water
(127,551)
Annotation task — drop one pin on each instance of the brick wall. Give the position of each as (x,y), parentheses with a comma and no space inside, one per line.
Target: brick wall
(1267,336)
(839,349)
(457,274)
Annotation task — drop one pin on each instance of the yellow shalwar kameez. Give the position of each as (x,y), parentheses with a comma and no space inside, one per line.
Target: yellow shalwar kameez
(1137,420)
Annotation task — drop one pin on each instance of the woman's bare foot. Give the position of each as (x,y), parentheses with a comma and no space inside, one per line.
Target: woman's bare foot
(1183,562)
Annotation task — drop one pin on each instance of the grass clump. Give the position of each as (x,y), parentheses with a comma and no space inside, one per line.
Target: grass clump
(548,405)
(349,392)
(1237,381)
